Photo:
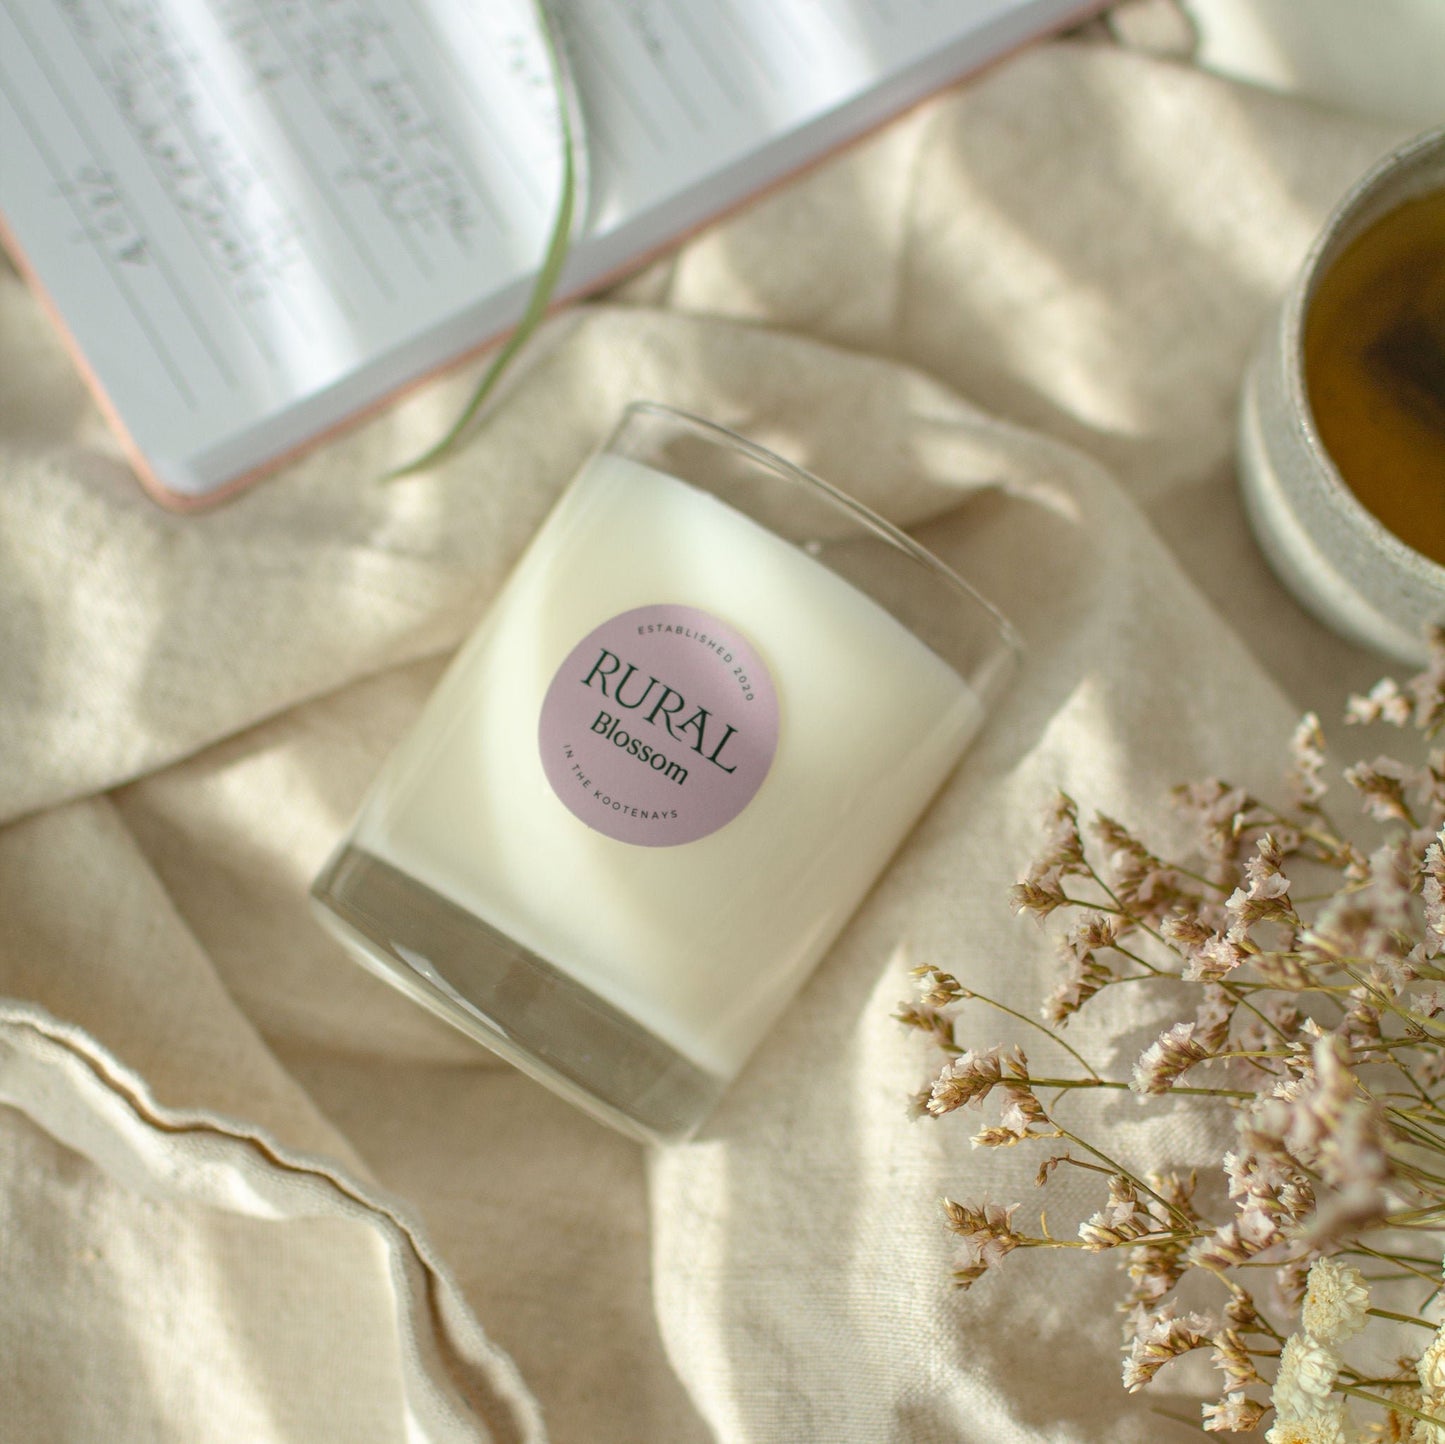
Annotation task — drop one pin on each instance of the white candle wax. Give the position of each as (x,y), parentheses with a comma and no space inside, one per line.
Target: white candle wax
(702,942)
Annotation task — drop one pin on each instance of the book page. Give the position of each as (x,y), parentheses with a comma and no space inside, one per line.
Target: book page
(256,216)
(233,205)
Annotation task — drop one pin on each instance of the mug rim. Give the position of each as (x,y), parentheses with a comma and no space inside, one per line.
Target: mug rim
(1384,187)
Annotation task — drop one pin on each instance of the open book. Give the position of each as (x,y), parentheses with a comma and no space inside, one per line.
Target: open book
(255,218)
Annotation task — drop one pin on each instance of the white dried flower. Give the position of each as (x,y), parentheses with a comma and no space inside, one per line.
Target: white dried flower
(1336,1298)
(1329,1427)
(1306,1378)
(1430,1370)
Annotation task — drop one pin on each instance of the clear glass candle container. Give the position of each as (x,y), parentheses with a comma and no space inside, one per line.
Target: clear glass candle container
(696,722)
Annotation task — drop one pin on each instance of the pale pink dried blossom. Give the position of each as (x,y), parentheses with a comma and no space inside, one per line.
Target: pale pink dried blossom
(1370,924)
(1236,1413)
(1155,1266)
(1264,871)
(1121,1219)
(1265,895)
(987,1238)
(1232,1358)
(1083,978)
(1215,960)
(1221,815)
(1242,1312)
(1428,688)
(1259,1174)
(1361,1027)
(972,1076)
(1141,881)
(1208,953)
(1186,930)
(935,1022)
(1381,785)
(1270,1182)
(1180,1047)
(1432,893)
(1063,853)
(1165,1060)
(1246,908)
(1158,1338)
(1428,1002)
(1333,1128)
(1156,1261)
(1021,1117)
(1430,1070)
(1042,888)
(1084,972)
(937,989)
(1021,1110)
(1384,702)
(1307,761)
(1033,897)
(1251,1231)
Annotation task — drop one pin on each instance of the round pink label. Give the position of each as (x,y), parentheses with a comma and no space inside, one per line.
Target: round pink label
(660,726)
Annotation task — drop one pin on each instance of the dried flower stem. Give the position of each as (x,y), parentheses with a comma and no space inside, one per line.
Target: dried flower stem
(1034,1023)
(1395,1406)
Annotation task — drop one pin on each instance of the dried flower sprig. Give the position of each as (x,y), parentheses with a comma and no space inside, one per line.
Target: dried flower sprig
(1307,970)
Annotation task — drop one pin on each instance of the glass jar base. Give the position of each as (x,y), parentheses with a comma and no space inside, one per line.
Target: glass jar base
(512,1001)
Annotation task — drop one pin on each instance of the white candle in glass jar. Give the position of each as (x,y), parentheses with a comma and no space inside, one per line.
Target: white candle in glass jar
(702,941)
(664,771)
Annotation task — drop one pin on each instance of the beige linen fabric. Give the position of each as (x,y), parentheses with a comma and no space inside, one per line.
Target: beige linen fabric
(251,1194)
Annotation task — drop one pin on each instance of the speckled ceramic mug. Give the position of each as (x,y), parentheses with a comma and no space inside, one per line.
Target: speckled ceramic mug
(1327,548)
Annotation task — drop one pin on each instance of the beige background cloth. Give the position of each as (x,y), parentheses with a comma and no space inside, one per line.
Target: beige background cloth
(250,1194)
